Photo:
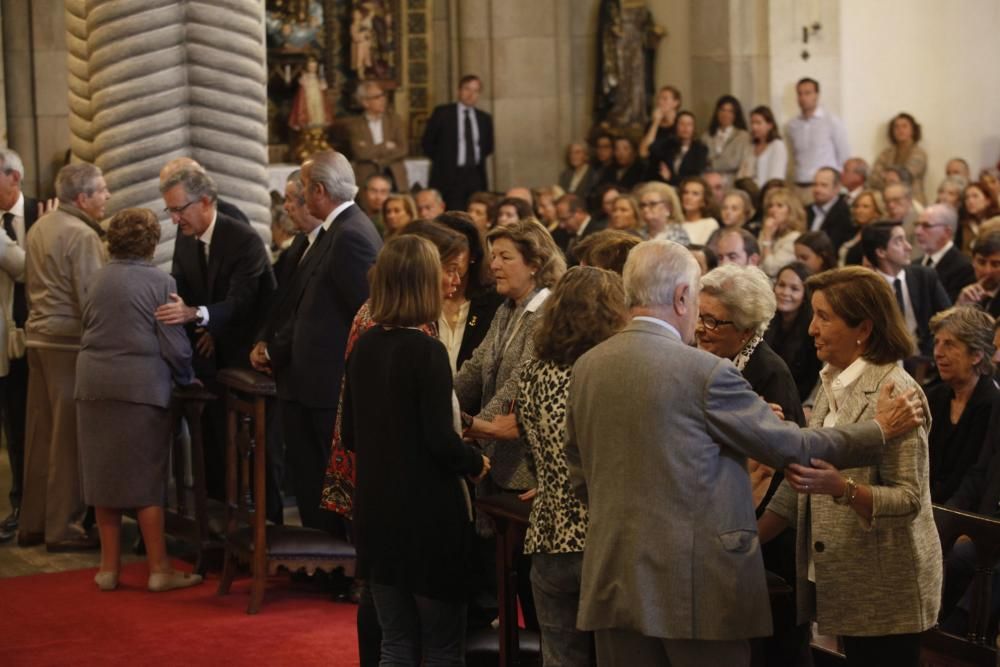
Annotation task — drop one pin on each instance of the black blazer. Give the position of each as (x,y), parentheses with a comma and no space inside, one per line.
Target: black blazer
(929,298)
(440,143)
(979,490)
(770,378)
(595,225)
(954,448)
(837,224)
(694,162)
(590,180)
(238,287)
(482,308)
(306,328)
(797,350)
(954,271)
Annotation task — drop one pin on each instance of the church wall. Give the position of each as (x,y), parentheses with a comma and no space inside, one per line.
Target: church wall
(941,66)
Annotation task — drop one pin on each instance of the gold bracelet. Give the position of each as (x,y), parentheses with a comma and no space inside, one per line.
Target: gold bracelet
(850,493)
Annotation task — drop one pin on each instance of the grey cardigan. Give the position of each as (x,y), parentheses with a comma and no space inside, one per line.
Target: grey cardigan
(486,385)
(125,353)
(879,579)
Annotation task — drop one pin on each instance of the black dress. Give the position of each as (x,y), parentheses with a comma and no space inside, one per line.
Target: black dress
(413,529)
(795,346)
(954,448)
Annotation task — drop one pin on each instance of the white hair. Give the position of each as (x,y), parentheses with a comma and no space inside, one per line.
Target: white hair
(365,90)
(11,161)
(746,292)
(655,269)
(334,171)
(943,214)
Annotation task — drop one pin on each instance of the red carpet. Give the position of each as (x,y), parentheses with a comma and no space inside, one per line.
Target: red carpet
(62,619)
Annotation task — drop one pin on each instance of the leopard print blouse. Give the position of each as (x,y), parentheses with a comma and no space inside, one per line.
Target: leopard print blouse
(558,518)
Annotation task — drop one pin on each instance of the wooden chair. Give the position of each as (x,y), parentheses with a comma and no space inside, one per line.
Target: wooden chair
(248,537)
(510,516)
(940,648)
(188,403)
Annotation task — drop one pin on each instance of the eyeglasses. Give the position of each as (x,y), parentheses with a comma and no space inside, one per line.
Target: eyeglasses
(178,210)
(710,323)
(650,204)
(927,225)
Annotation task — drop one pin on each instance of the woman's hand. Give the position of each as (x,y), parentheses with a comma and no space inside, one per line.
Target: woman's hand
(768,229)
(503,427)
(898,415)
(482,473)
(665,172)
(776,409)
(820,477)
(528,495)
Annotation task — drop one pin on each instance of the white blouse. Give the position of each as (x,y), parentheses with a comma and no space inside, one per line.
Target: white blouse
(772,163)
(699,230)
(452,339)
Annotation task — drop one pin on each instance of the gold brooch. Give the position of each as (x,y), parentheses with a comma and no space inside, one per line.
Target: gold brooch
(472,322)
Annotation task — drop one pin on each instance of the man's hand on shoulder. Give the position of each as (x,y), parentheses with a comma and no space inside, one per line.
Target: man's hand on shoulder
(176,311)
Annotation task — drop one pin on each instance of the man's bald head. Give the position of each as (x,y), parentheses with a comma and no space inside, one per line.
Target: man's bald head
(175,165)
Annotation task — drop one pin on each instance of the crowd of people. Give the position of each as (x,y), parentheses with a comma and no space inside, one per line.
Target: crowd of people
(635,352)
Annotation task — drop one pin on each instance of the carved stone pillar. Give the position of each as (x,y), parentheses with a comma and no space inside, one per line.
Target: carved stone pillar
(151,80)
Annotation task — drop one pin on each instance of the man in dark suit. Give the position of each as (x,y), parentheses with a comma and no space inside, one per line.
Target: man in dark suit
(985,292)
(224,279)
(830,211)
(19,214)
(303,339)
(575,224)
(458,139)
(935,233)
(919,293)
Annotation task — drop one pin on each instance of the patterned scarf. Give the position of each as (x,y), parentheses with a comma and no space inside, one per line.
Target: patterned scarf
(743,356)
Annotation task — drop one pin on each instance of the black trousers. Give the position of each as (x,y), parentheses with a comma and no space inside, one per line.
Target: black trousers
(883,651)
(308,435)
(459,187)
(14,412)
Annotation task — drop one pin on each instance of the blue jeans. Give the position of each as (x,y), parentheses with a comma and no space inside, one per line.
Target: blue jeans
(413,625)
(555,581)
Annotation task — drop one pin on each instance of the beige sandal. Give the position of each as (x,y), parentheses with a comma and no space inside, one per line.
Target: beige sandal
(168,581)
(106,581)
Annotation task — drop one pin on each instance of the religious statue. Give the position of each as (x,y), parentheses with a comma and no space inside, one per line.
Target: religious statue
(373,40)
(311,112)
(626,52)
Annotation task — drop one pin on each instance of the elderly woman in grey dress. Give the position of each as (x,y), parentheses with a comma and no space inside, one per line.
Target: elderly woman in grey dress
(127,363)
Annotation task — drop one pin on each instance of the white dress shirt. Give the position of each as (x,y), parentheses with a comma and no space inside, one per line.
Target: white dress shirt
(817,141)
(909,314)
(375,127)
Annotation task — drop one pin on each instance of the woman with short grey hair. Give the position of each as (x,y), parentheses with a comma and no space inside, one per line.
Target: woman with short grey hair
(963,403)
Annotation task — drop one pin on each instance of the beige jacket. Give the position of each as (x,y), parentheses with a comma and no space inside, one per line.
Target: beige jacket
(11,270)
(368,158)
(64,251)
(879,579)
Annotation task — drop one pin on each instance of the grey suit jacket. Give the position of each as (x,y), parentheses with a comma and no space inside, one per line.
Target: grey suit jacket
(879,579)
(658,435)
(486,386)
(125,353)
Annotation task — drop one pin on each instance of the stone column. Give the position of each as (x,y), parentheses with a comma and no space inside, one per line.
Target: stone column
(152,80)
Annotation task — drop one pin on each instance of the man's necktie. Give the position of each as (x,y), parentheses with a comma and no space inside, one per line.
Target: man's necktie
(203,260)
(928,261)
(897,285)
(470,149)
(8,225)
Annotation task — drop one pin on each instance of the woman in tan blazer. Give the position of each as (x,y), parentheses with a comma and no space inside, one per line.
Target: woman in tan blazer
(868,557)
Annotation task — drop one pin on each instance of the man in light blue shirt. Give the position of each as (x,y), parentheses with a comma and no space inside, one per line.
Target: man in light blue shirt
(818,138)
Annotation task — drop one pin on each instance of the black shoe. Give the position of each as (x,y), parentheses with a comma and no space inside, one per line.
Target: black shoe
(7,535)
(10,523)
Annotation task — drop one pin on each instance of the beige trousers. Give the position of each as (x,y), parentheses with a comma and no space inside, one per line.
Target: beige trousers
(53,501)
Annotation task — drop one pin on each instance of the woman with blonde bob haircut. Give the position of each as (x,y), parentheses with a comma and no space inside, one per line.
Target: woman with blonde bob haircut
(784,221)
(413,528)
(865,535)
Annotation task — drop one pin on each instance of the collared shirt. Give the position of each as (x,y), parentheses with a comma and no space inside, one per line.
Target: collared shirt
(375,127)
(583,226)
(817,141)
(836,384)
(206,238)
(325,226)
(909,315)
(820,213)
(18,222)
(663,323)
(853,194)
(935,257)
(461,134)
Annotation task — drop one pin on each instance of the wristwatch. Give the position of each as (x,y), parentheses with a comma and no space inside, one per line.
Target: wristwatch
(850,493)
